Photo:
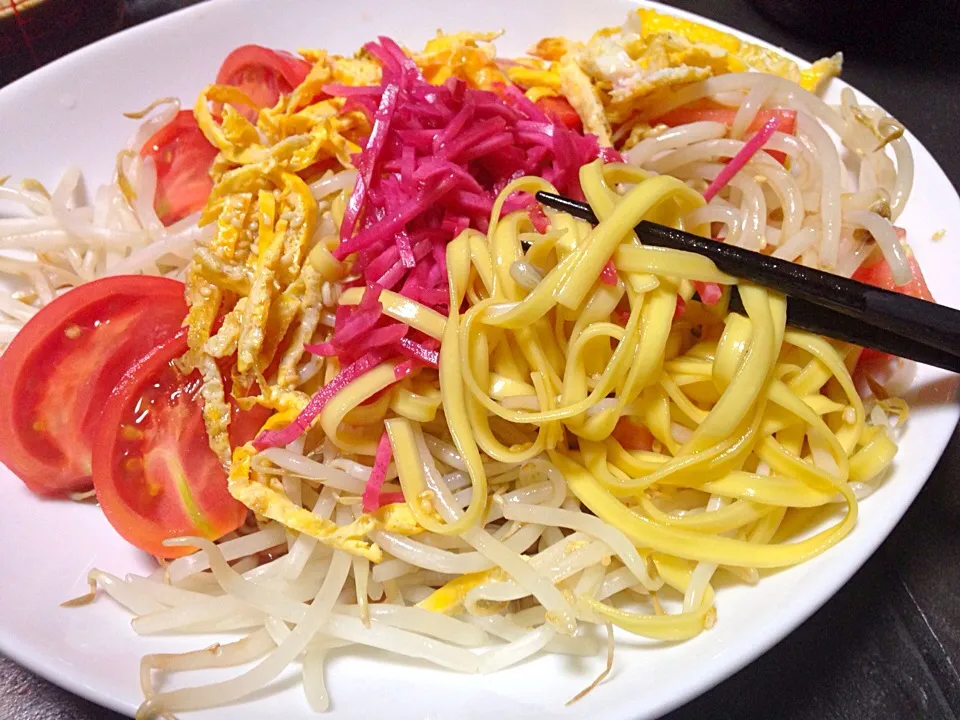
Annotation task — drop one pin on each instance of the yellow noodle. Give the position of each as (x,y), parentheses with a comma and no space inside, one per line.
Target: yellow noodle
(743,409)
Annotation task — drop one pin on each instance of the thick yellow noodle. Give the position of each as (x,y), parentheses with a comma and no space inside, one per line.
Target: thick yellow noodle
(754,423)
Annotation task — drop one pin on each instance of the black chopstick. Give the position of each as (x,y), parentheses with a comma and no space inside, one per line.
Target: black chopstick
(820,302)
(804,315)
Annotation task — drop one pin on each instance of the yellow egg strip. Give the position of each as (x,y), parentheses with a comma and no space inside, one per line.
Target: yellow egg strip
(773,490)
(224,343)
(670,628)
(403,309)
(415,406)
(256,311)
(672,263)
(831,359)
(448,599)
(873,458)
(729,517)
(275,505)
(216,411)
(750,377)
(362,441)
(747,411)
(309,318)
(696,546)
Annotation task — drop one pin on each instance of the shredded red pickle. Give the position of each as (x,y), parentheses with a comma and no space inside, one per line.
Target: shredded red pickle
(371,492)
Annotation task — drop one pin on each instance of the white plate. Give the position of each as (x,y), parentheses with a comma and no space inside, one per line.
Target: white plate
(70,112)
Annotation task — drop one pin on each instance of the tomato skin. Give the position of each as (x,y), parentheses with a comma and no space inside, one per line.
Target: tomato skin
(685,115)
(560,111)
(154,473)
(632,436)
(183,157)
(262,74)
(245,424)
(878,274)
(59,369)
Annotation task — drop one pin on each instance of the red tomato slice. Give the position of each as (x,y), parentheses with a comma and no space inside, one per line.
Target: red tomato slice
(155,475)
(632,436)
(684,115)
(262,74)
(57,373)
(183,157)
(560,111)
(182,153)
(878,274)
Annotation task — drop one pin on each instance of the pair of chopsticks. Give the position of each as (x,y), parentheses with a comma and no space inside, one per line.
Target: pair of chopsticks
(819,302)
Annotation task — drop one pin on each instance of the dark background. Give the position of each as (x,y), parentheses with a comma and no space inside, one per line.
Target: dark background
(888,644)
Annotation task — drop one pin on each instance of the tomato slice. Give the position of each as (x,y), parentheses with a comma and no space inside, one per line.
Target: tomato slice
(878,274)
(183,157)
(684,115)
(632,436)
(262,74)
(154,473)
(60,368)
(560,111)
(182,153)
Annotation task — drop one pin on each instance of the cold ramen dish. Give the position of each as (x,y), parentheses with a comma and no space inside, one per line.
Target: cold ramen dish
(317,349)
